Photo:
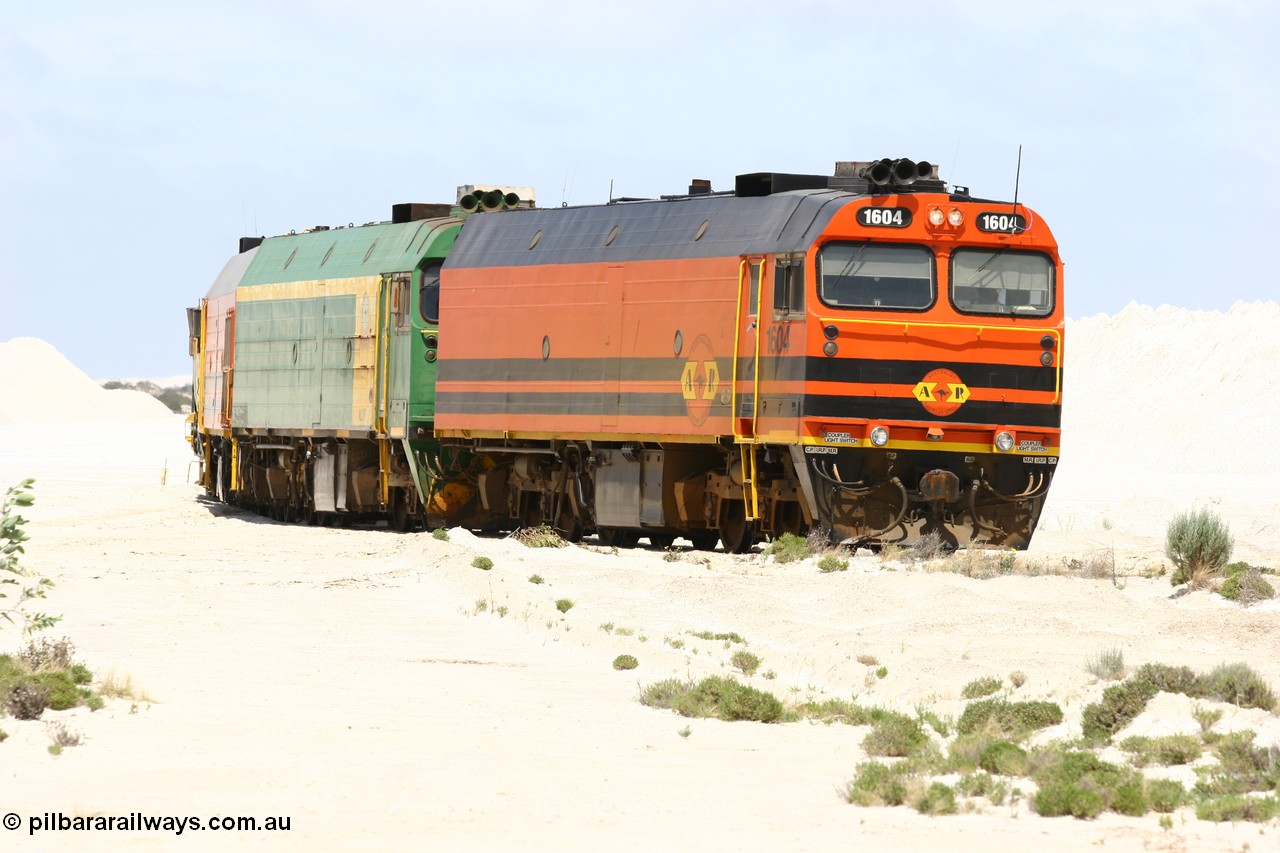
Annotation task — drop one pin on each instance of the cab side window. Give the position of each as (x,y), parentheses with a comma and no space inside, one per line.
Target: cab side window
(429,294)
(788,286)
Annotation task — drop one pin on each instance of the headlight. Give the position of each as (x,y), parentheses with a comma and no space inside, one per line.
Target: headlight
(955,217)
(880,437)
(936,216)
(1004,441)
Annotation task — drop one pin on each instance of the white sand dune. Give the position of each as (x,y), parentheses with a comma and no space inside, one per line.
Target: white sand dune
(386,695)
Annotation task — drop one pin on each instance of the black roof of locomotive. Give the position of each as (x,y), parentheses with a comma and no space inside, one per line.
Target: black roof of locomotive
(648,230)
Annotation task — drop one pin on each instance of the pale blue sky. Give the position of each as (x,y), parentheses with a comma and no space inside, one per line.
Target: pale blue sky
(141,139)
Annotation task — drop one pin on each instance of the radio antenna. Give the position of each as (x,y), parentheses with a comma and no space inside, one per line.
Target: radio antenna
(1017,180)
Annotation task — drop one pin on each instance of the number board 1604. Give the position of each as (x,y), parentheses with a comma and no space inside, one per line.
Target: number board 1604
(884,217)
(1001,222)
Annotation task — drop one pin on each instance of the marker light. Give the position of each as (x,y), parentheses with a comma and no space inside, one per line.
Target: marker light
(1004,441)
(955,217)
(1046,358)
(880,437)
(935,216)
(830,348)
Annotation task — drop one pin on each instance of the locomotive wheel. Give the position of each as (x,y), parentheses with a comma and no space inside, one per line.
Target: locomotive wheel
(735,530)
(704,541)
(661,541)
(401,519)
(617,537)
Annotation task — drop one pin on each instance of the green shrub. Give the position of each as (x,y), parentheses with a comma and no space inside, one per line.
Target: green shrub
(980,687)
(1238,684)
(832,563)
(1003,758)
(1167,750)
(745,662)
(1120,705)
(936,799)
(1012,718)
(1236,808)
(1062,799)
(876,784)
(1247,587)
(1169,679)
(731,636)
(1242,767)
(483,563)
(895,735)
(1165,795)
(564,605)
(441,534)
(60,687)
(625,662)
(1198,544)
(718,697)
(983,785)
(535,579)
(788,548)
(1081,784)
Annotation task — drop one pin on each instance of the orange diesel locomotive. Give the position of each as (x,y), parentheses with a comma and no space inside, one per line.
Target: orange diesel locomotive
(872,354)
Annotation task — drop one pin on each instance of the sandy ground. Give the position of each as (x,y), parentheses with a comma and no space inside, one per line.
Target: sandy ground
(351,681)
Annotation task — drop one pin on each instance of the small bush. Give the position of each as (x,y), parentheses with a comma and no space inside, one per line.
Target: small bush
(1107,665)
(745,662)
(1120,705)
(1238,684)
(1062,799)
(59,687)
(983,785)
(542,536)
(788,548)
(936,799)
(625,662)
(980,687)
(535,579)
(731,636)
(1167,750)
(1247,587)
(1003,758)
(832,563)
(1237,808)
(482,563)
(719,697)
(43,653)
(1017,678)
(441,534)
(1198,544)
(1165,795)
(564,605)
(876,784)
(1081,784)
(895,735)
(1013,718)
(868,660)
(27,700)
(63,736)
